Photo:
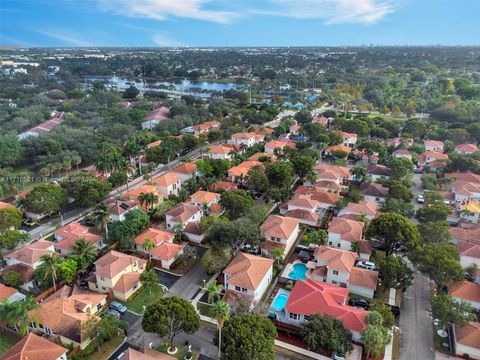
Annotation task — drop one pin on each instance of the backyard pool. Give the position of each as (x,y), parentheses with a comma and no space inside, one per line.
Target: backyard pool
(279,302)
(299,272)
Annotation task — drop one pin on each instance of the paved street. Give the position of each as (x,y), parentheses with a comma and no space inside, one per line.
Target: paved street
(415,322)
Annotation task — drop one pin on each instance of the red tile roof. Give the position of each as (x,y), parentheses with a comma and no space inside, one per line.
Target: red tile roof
(335,259)
(182,212)
(468,148)
(364,278)
(34,347)
(349,230)
(185,168)
(166,251)
(157,235)
(31,253)
(6,292)
(247,271)
(113,263)
(467,290)
(468,335)
(279,226)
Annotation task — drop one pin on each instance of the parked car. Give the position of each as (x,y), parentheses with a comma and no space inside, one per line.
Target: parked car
(115,305)
(420,199)
(359,302)
(366,265)
(395,310)
(29,222)
(113,312)
(336,356)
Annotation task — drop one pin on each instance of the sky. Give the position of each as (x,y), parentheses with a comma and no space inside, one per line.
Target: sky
(160,23)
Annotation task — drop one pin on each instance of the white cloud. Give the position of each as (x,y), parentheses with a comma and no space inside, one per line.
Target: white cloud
(68,38)
(333,11)
(163,9)
(161,39)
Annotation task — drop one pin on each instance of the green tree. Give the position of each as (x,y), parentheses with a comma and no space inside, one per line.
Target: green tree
(303,117)
(449,311)
(248,337)
(374,339)
(398,206)
(148,199)
(433,232)
(12,278)
(302,165)
(45,199)
(433,212)
(441,262)
(395,232)
(84,252)
(257,180)
(50,264)
(212,291)
(9,239)
(86,190)
(400,168)
(235,203)
(335,138)
(103,330)
(327,333)
(279,174)
(18,314)
(398,190)
(149,279)
(220,311)
(388,319)
(101,217)
(10,150)
(68,270)
(169,317)
(395,273)
(10,218)
(131,92)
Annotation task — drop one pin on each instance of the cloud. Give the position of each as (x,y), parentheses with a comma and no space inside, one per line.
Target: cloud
(163,40)
(333,11)
(62,35)
(164,9)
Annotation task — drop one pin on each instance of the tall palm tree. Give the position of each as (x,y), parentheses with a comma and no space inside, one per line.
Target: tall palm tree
(277,254)
(76,160)
(148,245)
(148,199)
(220,312)
(101,217)
(85,252)
(212,292)
(51,265)
(17,313)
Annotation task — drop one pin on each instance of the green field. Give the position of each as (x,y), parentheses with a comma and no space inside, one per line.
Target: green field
(144,299)
(6,342)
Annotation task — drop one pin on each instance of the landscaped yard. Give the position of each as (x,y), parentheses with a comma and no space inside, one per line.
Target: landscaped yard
(144,299)
(6,342)
(106,349)
(204,308)
(180,355)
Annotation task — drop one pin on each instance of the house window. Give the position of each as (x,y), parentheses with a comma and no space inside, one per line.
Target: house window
(169,225)
(293,316)
(135,264)
(330,243)
(342,284)
(273,238)
(338,245)
(335,272)
(135,287)
(238,288)
(32,324)
(334,282)
(244,290)
(99,306)
(104,288)
(102,278)
(306,317)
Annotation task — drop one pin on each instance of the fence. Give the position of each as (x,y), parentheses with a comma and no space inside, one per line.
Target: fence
(49,292)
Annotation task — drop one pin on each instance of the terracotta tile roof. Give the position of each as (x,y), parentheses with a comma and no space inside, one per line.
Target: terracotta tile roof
(158,114)
(433,143)
(113,263)
(470,233)
(374,189)
(468,335)
(4,205)
(343,148)
(366,247)
(127,281)
(271,245)
(166,251)
(349,230)
(347,135)
(66,310)
(182,212)
(185,168)
(468,148)
(157,235)
(436,155)
(204,197)
(193,227)
(464,176)
(279,226)
(243,135)
(6,292)
(259,155)
(303,201)
(274,144)
(313,297)
(327,185)
(465,188)
(73,232)
(468,291)
(131,354)
(220,149)
(326,198)
(223,185)
(215,208)
(247,270)
(243,168)
(34,347)
(380,170)
(335,259)
(166,179)
(154,144)
(119,207)
(402,152)
(31,253)
(438,164)
(364,278)
(341,171)
(469,249)
(303,215)
(26,272)
(135,193)
(365,207)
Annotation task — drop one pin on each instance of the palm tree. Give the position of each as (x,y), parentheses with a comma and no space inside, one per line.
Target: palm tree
(212,291)
(51,265)
(148,199)
(355,247)
(148,245)
(102,218)
(277,254)
(220,312)
(17,313)
(76,160)
(85,252)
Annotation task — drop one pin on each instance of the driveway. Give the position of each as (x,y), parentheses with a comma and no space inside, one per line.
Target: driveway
(167,279)
(416,342)
(130,318)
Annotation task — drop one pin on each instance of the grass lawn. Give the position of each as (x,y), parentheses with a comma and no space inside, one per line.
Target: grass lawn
(6,342)
(144,299)
(180,355)
(106,349)
(204,308)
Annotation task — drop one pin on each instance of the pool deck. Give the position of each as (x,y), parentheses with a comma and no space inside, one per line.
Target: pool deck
(279,292)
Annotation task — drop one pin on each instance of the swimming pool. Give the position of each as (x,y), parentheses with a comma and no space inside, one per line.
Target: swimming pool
(279,302)
(299,272)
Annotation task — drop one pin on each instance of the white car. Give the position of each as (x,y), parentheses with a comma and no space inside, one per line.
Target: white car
(366,265)
(420,199)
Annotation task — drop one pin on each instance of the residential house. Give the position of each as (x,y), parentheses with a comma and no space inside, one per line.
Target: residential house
(433,145)
(465,232)
(278,145)
(465,191)
(349,139)
(261,156)
(167,184)
(66,236)
(295,129)
(463,176)
(205,128)
(134,194)
(155,118)
(469,251)
(302,202)
(10,294)
(246,139)
(219,186)
(164,250)
(336,266)
(374,192)
(328,172)
(185,171)
(158,237)
(310,297)
(118,209)
(428,157)
(326,200)
(247,276)
(305,217)
(4,205)
(469,211)
(378,171)
(402,153)
(117,273)
(204,199)
(194,232)
(468,292)
(466,149)
(220,152)
(182,214)
(467,340)
(280,232)
(330,150)
(321,120)
(144,354)
(26,259)
(65,313)
(394,142)
(239,173)
(328,186)
(34,347)
(355,211)
(56,119)
(342,233)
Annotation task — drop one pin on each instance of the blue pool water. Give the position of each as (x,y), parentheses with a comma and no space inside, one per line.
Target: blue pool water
(279,302)
(299,272)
